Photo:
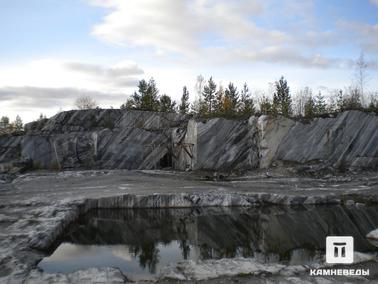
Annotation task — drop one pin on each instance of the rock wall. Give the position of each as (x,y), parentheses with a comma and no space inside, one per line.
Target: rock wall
(219,144)
(349,140)
(119,139)
(95,139)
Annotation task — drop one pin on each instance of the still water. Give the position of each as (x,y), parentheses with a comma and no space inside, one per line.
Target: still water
(142,241)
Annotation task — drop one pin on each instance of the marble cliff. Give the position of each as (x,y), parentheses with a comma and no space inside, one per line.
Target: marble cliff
(119,139)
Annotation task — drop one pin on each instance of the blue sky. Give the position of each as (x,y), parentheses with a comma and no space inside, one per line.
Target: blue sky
(53,51)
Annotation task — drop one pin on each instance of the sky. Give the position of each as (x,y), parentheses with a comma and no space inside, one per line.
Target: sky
(54,51)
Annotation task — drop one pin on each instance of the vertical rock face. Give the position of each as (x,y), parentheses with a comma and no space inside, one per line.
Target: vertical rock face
(219,144)
(96,138)
(349,140)
(271,132)
(147,140)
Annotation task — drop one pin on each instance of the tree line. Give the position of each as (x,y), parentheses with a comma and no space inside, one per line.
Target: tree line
(7,126)
(230,102)
(212,100)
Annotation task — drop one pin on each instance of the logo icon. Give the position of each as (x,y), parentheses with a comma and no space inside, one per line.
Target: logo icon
(339,249)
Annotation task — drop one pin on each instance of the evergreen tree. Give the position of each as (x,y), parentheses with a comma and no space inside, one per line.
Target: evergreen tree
(135,101)
(150,98)
(209,94)
(4,121)
(146,98)
(166,104)
(184,106)
(310,107)
(232,97)
(266,106)
(129,105)
(320,104)
(247,104)
(219,101)
(340,101)
(282,99)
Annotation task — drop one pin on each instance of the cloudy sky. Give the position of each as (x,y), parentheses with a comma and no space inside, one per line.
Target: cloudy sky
(53,51)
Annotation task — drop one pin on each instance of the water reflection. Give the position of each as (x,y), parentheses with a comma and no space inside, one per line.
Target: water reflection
(141,241)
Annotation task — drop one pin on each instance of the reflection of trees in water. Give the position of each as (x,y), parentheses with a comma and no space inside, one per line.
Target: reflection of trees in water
(183,238)
(147,254)
(233,250)
(185,249)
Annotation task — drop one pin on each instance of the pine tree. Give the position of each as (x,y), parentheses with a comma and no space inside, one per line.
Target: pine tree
(310,107)
(282,99)
(4,121)
(247,104)
(184,106)
(232,96)
(219,101)
(150,98)
(135,101)
(209,94)
(266,106)
(147,97)
(166,104)
(340,101)
(320,104)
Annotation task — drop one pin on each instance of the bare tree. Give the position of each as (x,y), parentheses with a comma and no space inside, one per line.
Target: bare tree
(18,125)
(85,102)
(361,75)
(198,102)
(300,101)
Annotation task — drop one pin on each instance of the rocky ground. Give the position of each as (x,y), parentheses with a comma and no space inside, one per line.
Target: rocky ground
(36,207)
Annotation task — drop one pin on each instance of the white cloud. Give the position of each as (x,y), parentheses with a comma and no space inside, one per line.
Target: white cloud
(31,101)
(164,25)
(276,54)
(46,85)
(210,29)
(181,26)
(375,2)
(55,73)
(364,34)
(123,74)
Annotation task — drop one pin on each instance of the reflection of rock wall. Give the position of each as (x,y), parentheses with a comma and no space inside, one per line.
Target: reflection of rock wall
(147,140)
(221,232)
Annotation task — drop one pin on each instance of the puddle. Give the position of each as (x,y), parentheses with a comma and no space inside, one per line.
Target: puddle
(142,241)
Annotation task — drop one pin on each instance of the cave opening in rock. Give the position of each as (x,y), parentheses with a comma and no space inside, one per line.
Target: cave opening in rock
(166,161)
(143,242)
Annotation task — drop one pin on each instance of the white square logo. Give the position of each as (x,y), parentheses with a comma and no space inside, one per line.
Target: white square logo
(339,249)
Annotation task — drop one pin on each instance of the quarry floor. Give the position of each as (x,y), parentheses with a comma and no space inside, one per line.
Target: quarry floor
(37,206)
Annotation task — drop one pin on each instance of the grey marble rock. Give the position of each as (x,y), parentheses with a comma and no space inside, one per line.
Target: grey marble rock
(349,140)
(120,139)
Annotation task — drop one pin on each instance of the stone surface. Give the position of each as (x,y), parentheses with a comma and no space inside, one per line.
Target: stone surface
(271,133)
(95,139)
(119,139)
(373,235)
(349,140)
(36,207)
(89,276)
